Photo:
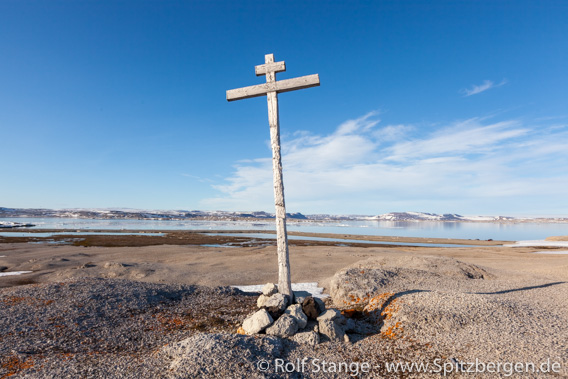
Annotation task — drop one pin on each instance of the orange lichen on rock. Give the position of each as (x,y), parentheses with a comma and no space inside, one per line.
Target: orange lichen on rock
(358,302)
(377,302)
(387,305)
(380,308)
(240,330)
(394,331)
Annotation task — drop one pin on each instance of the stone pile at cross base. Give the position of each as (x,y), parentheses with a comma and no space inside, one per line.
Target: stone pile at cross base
(306,321)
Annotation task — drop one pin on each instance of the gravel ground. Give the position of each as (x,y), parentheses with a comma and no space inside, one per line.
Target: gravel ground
(106,327)
(99,328)
(469,312)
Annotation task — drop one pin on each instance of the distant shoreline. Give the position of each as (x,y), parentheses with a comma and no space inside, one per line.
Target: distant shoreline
(259,216)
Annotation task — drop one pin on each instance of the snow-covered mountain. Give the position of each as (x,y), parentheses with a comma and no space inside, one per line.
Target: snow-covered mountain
(139,214)
(417,216)
(422,216)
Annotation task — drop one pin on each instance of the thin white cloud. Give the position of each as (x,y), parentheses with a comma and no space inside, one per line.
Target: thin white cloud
(486,85)
(198,178)
(471,166)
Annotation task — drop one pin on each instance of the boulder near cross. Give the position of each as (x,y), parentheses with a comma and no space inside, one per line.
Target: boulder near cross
(271,89)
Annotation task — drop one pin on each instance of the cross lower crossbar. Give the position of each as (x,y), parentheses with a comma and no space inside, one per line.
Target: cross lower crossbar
(278,86)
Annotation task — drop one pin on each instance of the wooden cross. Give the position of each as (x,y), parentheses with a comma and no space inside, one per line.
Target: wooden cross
(271,89)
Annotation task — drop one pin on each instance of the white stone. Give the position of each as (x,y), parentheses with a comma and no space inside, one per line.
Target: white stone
(261,301)
(285,326)
(295,311)
(257,322)
(269,289)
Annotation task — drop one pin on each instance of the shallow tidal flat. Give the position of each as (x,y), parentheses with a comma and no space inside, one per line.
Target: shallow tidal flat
(107,305)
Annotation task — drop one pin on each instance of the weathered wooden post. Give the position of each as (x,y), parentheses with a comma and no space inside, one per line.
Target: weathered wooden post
(271,89)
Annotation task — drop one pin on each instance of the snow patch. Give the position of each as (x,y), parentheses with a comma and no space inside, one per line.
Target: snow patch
(308,287)
(533,243)
(14,273)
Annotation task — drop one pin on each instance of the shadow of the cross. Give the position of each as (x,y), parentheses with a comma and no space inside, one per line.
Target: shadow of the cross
(518,289)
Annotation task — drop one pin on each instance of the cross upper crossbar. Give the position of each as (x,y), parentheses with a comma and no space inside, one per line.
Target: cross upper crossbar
(270,68)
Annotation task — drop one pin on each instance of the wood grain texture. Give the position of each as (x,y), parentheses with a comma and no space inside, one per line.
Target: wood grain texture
(280,86)
(271,89)
(270,67)
(284,282)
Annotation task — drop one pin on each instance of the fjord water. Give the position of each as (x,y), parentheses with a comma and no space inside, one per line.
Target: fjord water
(506,231)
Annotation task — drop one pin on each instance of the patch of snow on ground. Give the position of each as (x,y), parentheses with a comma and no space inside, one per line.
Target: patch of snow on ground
(538,243)
(14,273)
(308,287)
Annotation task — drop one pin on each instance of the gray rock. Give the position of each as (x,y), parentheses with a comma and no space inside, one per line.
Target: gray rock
(330,314)
(350,325)
(261,301)
(320,304)
(285,326)
(331,330)
(113,265)
(257,322)
(306,338)
(277,300)
(295,311)
(312,326)
(269,289)
(368,278)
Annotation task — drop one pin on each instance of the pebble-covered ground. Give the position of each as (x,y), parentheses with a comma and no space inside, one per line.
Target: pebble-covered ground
(106,327)
(118,328)
(102,328)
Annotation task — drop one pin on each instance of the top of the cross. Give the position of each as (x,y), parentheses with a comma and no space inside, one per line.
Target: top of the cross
(269,66)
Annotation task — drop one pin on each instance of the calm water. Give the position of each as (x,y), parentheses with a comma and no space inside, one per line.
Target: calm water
(466,230)
(273,236)
(42,235)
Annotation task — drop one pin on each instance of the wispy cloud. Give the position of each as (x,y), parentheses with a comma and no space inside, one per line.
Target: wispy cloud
(198,178)
(486,85)
(470,166)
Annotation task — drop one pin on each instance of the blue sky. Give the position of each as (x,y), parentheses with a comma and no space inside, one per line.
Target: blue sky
(434,106)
